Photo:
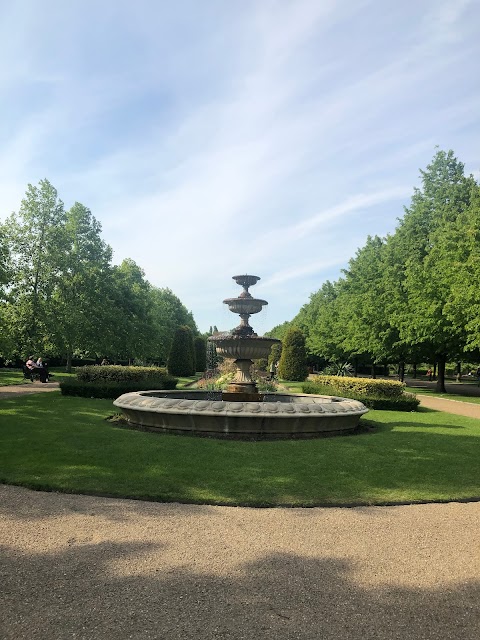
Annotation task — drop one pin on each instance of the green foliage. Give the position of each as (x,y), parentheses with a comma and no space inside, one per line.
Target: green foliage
(293,362)
(362,386)
(102,388)
(211,356)
(200,353)
(181,360)
(117,373)
(275,353)
(404,402)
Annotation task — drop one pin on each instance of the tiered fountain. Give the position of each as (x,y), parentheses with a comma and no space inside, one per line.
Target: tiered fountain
(242,344)
(241,411)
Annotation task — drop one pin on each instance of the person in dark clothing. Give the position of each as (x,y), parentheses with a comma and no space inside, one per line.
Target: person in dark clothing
(42,369)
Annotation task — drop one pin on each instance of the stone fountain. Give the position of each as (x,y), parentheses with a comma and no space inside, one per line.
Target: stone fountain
(240,411)
(243,344)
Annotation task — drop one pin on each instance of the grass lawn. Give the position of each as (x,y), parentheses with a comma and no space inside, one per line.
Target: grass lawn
(49,441)
(15,376)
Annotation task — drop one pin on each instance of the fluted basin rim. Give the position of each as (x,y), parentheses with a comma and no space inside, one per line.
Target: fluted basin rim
(276,405)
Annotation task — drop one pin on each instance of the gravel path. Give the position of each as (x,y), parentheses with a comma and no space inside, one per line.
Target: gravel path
(94,568)
(458,407)
(26,388)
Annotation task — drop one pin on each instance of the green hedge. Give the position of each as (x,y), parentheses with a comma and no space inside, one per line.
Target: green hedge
(362,386)
(105,389)
(405,402)
(117,373)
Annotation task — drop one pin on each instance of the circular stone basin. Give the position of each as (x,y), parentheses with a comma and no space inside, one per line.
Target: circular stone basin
(205,413)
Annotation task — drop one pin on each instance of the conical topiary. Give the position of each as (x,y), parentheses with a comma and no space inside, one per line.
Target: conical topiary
(181,360)
(293,361)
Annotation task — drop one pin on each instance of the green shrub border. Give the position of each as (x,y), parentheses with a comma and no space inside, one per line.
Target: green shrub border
(102,389)
(118,373)
(363,386)
(405,402)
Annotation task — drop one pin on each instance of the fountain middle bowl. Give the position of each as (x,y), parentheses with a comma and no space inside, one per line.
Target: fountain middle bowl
(243,347)
(205,413)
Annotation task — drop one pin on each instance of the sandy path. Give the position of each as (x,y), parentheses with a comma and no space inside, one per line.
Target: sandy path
(91,568)
(458,407)
(13,390)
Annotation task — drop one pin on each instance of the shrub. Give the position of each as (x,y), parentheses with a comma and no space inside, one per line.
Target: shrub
(293,362)
(117,373)
(200,353)
(403,402)
(108,389)
(361,386)
(181,360)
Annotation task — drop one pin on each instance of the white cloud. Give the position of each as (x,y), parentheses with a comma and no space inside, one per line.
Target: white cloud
(270,137)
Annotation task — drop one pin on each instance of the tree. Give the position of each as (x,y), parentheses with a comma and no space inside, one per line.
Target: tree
(424,322)
(181,360)
(131,329)
(5,339)
(79,303)
(167,314)
(293,360)
(37,242)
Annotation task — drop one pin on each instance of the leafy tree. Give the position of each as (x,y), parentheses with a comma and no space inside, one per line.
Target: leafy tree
(130,331)
(37,242)
(80,299)
(322,321)
(181,360)
(293,360)
(423,321)
(167,314)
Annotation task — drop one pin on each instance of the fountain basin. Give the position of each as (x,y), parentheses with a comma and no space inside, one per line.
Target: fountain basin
(205,413)
(251,348)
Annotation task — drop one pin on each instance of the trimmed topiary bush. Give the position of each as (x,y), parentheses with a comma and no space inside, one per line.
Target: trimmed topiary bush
(181,360)
(293,361)
(200,353)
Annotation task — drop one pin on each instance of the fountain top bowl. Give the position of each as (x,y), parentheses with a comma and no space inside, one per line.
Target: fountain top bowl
(245,280)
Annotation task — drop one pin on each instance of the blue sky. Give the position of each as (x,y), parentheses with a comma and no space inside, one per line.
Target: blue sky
(219,137)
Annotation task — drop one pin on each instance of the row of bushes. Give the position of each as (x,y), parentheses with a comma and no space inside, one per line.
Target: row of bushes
(117,373)
(104,389)
(362,386)
(111,381)
(404,402)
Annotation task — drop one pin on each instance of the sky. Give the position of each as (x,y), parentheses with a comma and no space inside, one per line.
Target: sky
(220,137)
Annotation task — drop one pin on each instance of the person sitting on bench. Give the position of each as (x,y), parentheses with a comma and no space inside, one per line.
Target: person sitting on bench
(42,369)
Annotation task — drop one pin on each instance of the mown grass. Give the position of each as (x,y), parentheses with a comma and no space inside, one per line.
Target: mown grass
(15,376)
(49,441)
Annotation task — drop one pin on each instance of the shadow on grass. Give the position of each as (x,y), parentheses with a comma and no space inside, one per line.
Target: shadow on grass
(129,590)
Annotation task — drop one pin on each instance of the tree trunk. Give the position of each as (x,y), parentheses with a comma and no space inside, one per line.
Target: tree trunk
(401,371)
(414,374)
(374,373)
(68,366)
(440,385)
(434,369)
(458,377)
(355,367)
